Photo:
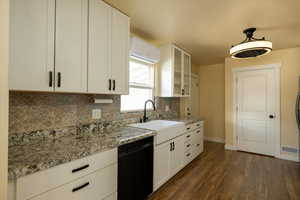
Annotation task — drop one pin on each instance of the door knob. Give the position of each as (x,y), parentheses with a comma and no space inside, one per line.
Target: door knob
(271,116)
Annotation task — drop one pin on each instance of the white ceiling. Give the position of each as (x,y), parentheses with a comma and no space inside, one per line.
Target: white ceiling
(208,28)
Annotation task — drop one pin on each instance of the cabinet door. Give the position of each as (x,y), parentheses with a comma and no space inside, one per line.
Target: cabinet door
(120,52)
(31,44)
(177,79)
(71,45)
(99,57)
(186,74)
(197,142)
(162,156)
(177,155)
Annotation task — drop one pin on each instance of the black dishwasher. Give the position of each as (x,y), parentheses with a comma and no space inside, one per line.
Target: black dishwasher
(135,170)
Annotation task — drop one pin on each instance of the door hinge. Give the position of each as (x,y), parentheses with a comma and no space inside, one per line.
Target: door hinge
(237,108)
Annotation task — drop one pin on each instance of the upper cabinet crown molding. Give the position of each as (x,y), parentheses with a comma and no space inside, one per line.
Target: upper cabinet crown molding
(174,72)
(79,46)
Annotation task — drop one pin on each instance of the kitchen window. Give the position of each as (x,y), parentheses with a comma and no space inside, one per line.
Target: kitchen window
(141,86)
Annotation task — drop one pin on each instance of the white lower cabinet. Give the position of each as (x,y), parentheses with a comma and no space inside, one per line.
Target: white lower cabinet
(170,157)
(162,162)
(168,160)
(90,178)
(97,185)
(177,155)
(113,196)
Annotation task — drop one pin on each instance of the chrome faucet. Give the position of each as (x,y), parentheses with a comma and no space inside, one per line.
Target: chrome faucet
(145,118)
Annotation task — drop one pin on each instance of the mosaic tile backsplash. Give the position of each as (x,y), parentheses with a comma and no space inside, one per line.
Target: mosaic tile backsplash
(31,112)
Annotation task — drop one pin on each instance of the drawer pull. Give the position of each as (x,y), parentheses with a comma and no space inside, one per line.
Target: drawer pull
(198,145)
(80,187)
(188,145)
(80,168)
(188,128)
(198,131)
(187,155)
(198,124)
(188,136)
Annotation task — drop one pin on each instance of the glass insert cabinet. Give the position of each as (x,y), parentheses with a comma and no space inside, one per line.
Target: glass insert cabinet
(174,72)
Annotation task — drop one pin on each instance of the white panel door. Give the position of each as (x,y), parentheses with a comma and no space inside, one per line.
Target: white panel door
(177,155)
(162,156)
(99,69)
(256,101)
(31,44)
(120,52)
(71,45)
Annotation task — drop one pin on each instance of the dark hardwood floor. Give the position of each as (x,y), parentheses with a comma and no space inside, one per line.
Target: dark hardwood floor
(220,174)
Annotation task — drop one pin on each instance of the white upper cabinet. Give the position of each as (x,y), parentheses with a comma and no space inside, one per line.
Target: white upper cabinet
(31,45)
(99,69)
(120,52)
(71,45)
(177,78)
(108,50)
(174,72)
(79,46)
(187,74)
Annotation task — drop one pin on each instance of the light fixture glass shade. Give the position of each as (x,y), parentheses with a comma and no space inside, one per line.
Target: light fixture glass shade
(250,49)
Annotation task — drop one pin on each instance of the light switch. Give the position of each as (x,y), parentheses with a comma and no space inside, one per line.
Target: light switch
(167,108)
(96,114)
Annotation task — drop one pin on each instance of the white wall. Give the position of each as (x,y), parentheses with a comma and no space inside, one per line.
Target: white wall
(4,21)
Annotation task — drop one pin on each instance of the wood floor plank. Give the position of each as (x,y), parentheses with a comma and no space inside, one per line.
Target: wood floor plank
(218,174)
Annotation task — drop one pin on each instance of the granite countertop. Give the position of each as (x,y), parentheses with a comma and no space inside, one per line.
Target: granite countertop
(30,158)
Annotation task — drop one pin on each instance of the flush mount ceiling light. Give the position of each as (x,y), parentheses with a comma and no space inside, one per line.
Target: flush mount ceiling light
(251,47)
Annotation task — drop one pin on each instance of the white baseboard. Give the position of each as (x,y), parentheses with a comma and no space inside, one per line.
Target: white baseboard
(294,158)
(230,147)
(289,157)
(218,140)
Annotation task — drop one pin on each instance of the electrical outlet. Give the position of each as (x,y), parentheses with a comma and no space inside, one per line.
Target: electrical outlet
(96,114)
(167,108)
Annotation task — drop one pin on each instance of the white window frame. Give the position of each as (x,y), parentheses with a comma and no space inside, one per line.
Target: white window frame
(139,86)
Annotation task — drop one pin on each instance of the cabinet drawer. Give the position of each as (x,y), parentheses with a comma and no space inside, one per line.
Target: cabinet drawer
(43,181)
(113,196)
(193,126)
(188,127)
(188,137)
(95,186)
(188,146)
(188,156)
(197,125)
